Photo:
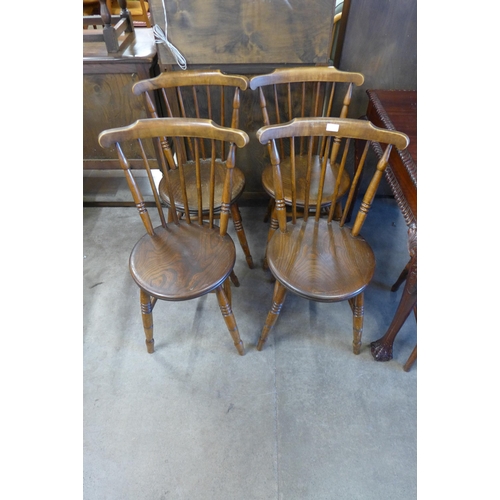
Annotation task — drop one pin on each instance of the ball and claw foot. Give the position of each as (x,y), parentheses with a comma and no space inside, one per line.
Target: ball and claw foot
(380,351)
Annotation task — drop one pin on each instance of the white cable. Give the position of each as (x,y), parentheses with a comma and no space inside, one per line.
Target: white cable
(161,37)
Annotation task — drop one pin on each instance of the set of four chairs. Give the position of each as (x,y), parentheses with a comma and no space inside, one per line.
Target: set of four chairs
(192,135)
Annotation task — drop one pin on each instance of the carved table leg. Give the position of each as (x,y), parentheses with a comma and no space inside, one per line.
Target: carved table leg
(381,349)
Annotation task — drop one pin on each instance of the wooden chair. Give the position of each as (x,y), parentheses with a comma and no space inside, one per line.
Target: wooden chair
(289,93)
(138,10)
(319,258)
(183,259)
(199,94)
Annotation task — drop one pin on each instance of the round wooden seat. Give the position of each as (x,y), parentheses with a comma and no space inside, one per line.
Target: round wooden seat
(321,261)
(182,262)
(300,173)
(190,177)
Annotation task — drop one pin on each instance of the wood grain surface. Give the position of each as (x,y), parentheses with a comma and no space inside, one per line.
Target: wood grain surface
(246,31)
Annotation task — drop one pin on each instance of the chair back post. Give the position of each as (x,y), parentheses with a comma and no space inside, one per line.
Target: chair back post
(235,119)
(263,107)
(150,106)
(226,192)
(278,184)
(123,7)
(265,116)
(152,184)
(105,13)
(134,189)
(371,191)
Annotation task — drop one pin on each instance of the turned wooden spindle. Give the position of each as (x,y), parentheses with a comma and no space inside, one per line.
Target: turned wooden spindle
(105,14)
(123,7)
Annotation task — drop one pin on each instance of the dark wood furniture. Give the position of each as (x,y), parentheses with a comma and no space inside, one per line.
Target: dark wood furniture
(108,100)
(199,94)
(319,258)
(190,257)
(289,93)
(397,110)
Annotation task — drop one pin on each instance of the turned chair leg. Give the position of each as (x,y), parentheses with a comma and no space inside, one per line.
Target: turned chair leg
(273,226)
(227,290)
(272,316)
(357,306)
(240,232)
(147,320)
(234,279)
(228,315)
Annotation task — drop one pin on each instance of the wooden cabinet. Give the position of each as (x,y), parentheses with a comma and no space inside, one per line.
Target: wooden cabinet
(107,92)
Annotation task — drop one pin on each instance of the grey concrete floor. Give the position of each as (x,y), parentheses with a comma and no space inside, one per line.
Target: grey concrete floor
(303,419)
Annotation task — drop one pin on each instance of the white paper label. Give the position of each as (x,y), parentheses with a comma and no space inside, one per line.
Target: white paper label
(332,127)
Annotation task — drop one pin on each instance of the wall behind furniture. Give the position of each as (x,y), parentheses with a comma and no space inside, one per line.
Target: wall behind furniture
(381,43)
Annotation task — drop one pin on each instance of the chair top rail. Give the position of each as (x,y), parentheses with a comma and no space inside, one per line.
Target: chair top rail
(306,74)
(170,79)
(173,127)
(338,127)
